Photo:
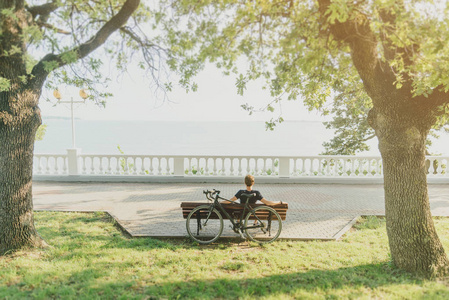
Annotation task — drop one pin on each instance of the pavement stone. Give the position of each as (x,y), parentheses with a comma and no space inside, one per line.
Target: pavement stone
(316,211)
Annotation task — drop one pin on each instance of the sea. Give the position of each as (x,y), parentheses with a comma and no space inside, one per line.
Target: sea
(290,138)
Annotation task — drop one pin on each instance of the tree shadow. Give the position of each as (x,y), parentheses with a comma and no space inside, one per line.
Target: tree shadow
(351,282)
(364,281)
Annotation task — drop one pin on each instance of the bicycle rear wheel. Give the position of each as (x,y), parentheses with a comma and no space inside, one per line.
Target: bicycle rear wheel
(204,224)
(263,225)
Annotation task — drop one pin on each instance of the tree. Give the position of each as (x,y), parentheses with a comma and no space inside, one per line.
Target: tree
(392,54)
(55,41)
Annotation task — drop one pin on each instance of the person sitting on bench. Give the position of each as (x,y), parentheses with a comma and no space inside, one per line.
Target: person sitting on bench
(253,195)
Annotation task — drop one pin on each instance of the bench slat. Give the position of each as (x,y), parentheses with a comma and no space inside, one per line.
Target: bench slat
(234,210)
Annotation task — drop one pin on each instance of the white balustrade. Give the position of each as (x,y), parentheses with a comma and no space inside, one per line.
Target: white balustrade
(50,164)
(220,166)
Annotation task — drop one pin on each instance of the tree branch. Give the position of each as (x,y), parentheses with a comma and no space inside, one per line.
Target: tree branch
(40,71)
(356,32)
(49,26)
(43,10)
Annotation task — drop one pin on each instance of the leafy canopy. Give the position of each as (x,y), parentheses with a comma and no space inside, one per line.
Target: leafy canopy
(286,43)
(289,44)
(60,27)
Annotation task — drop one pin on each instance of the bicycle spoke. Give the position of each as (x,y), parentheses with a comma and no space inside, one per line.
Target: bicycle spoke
(204,224)
(269,225)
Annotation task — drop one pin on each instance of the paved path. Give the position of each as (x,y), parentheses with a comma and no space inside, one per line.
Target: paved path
(316,211)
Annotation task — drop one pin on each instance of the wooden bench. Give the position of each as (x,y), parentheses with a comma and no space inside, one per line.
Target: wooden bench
(234,210)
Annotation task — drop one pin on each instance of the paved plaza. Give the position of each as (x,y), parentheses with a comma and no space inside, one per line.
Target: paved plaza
(316,211)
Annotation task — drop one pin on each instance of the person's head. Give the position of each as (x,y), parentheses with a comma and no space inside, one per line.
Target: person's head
(249,180)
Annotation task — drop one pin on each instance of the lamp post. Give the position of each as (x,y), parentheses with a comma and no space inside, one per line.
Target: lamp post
(72,154)
(84,96)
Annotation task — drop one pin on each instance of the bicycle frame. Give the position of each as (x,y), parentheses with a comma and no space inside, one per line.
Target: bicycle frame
(239,225)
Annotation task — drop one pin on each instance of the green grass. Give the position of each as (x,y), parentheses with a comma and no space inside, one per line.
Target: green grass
(91,259)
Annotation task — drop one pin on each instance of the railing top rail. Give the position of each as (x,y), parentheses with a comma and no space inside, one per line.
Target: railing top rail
(225,156)
(232,156)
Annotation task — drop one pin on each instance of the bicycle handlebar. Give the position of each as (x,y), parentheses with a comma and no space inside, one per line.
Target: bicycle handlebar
(212,193)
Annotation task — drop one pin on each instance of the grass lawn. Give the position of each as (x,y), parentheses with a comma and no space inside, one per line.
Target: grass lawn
(90,258)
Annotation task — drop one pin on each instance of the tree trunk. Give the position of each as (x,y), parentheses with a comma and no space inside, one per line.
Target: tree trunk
(414,243)
(19,120)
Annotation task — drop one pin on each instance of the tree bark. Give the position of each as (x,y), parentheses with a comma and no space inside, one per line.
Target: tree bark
(414,243)
(401,123)
(20,116)
(18,126)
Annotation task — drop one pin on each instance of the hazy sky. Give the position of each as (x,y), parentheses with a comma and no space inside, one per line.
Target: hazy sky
(216,99)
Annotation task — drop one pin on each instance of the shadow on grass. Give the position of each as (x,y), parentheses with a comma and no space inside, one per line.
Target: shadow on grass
(146,278)
(368,281)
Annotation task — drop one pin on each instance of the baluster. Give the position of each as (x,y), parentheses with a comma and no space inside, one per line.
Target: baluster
(437,167)
(84,164)
(240,159)
(47,168)
(107,169)
(256,166)
(216,166)
(189,163)
(124,165)
(200,163)
(232,167)
(100,169)
(335,167)
(64,165)
(361,167)
(134,159)
(209,168)
(108,165)
(295,166)
(57,168)
(168,169)
(311,170)
(117,165)
(318,169)
(263,170)
(223,166)
(222,171)
(303,167)
(328,165)
(142,165)
(92,165)
(352,160)
(264,165)
(159,165)
(151,167)
(248,162)
(444,167)
(61,164)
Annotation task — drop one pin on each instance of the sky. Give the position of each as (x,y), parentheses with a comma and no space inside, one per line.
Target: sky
(216,99)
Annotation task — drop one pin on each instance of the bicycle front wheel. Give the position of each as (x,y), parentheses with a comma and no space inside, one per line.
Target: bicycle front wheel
(263,225)
(204,224)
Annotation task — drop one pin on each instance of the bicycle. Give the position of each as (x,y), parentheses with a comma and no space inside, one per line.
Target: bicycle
(204,223)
